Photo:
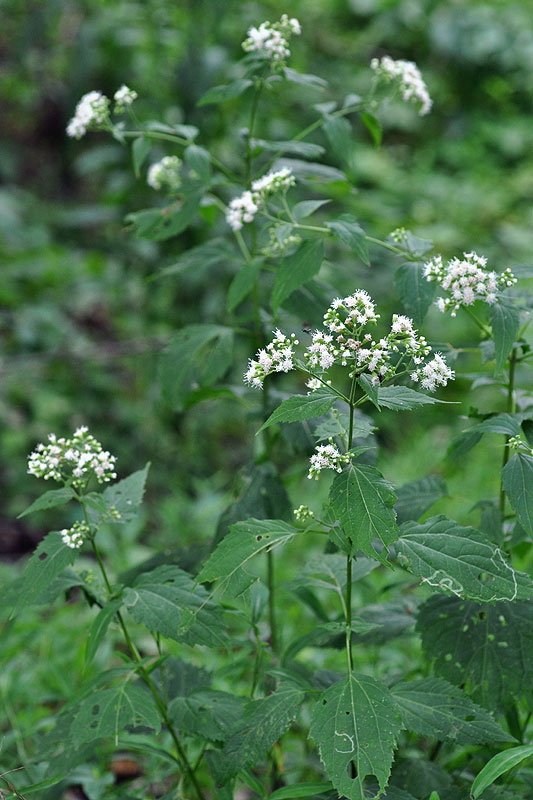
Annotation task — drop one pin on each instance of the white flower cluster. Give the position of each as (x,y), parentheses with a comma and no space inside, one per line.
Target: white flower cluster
(74,537)
(327,456)
(72,461)
(124,97)
(466,280)
(303,513)
(272,39)
(244,208)
(165,172)
(277,357)
(435,373)
(91,112)
(408,79)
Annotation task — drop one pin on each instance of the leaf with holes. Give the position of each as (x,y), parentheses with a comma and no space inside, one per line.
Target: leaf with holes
(517,481)
(363,502)
(415,292)
(107,712)
(297,269)
(416,497)
(51,499)
(244,541)
(433,707)
(50,558)
(355,725)
(302,406)
(207,713)
(505,322)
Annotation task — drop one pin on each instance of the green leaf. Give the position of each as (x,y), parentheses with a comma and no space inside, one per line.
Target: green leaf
(199,162)
(125,497)
(139,150)
(433,707)
(159,224)
(485,648)
(355,725)
(99,627)
(517,482)
(313,172)
(402,398)
(347,229)
(107,712)
(300,790)
(209,254)
(507,424)
(370,390)
(498,765)
(302,406)
(228,91)
(304,149)
(416,497)
(243,283)
(415,292)
(460,560)
(50,558)
(505,322)
(244,541)
(51,499)
(307,207)
(167,600)
(207,713)
(197,356)
(363,502)
(373,126)
(310,81)
(297,269)
(339,133)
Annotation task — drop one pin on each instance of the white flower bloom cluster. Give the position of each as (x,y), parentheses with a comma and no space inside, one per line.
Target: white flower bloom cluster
(313,384)
(408,79)
(74,537)
(327,456)
(165,172)
(435,373)
(124,97)
(91,112)
(277,357)
(466,280)
(272,39)
(244,208)
(72,461)
(303,513)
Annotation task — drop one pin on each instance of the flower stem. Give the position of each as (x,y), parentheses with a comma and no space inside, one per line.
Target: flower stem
(509,409)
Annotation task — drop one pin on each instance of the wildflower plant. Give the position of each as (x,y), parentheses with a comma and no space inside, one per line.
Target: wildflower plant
(369,729)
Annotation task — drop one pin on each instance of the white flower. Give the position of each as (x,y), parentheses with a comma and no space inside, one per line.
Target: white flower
(277,357)
(313,384)
(272,39)
(73,460)
(244,208)
(327,456)
(74,537)
(124,97)
(435,373)
(408,79)
(165,172)
(91,112)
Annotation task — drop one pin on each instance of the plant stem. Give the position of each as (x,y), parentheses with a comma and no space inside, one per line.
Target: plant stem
(253,114)
(349,613)
(481,325)
(510,409)
(271,603)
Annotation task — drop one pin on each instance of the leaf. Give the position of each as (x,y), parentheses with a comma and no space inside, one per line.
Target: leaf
(433,707)
(209,254)
(159,224)
(347,229)
(485,648)
(355,725)
(507,424)
(301,406)
(167,600)
(51,499)
(228,91)
(370,390)
(373,126)
(244,541)
(199,161)
(307,207)
(505,322)
(98,629)
(517,482)
(339,133)
(392,619)
(297,269)
(305,149)
(207,713)
(497,766)
(49,559)
(313,172)
(125,496)
(139,150)
(461,561)
(107,712)
(243,283)
(415,292)
(310,81)
(416,497)
(300,790)
(197,356)
(363,502)
(402,398)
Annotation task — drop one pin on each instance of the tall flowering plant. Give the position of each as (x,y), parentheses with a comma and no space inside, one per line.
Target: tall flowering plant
(398,730)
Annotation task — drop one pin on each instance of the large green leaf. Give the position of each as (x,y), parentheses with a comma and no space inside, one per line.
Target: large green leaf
(517,481)
(339,133)
(50,558)
(416,497)
(402,398)
(206,712)
(202,257)
(486,648)
(304,149)
(497,766)
(99,627)
(297,269)
(415,292)
(159,224)
(166,600)
(363,501)
(300,790)
(244,541)
(302,406)
(51,499)
(243,283)
(347,229)
(224,92)
(507,424)
(460,560)
(125,497)
(433,707)
(107,712)
(505,322)
(355,724)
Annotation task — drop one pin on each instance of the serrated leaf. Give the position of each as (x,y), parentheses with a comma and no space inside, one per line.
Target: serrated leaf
(415,292)
(99,627)
(339,133)
(363,502)
(355,725)
(499,765)
(517,482)
(507,424)
(209,254)
(433,707)
(207,713)
(301,406)
(347,229)
(392,619)
(402,398)
(50,558)
(167,600)
(373,126)
(460,560)
(243,283)
(199,162)
(125,496)
(310,81)
(107,712)
(297,269)
(416,497)
(370,390)
(244,541)
(139,150)
(51,499)
(505,322)
(224,92)
(305,149)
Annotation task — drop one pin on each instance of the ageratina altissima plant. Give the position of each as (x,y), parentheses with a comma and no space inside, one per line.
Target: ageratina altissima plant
(271,40)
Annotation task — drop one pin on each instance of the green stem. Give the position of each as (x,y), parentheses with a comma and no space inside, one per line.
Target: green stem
(481,325)
(509,409)
(349,613)
(271,603)
(253,114)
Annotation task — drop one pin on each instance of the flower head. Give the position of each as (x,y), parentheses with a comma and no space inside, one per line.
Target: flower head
(434,373)
(74,537)
(165,172)
(244,208)
(327,456)
(271,40)
(91,112)
(124,97)
(276,357)
(73,460)
(407,76)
